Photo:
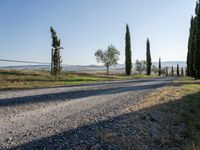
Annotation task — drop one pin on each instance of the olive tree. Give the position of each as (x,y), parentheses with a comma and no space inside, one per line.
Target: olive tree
(140,66)
(108,57)
(154,69)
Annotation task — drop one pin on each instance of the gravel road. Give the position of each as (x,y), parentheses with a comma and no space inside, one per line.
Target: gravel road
(55,118)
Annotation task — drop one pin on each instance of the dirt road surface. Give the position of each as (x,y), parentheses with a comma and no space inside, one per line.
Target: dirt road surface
(61,117)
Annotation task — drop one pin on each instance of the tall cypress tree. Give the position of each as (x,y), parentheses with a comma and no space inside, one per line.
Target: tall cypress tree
(177,71)
(193,61)
(148,58)
(56,57)
(159,67)
(128,61)
(182,72)
(197,43)
(193,43)
(166,71)
(191,49)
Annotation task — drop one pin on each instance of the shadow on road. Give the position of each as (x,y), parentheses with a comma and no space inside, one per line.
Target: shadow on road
(76,94)
(101,83)
(163,126)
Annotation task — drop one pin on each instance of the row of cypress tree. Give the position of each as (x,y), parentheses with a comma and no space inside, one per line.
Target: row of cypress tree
(128,59)
(178,73)
(193,56)
(56,57)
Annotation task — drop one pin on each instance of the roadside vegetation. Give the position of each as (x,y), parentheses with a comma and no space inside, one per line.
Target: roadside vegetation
(26,79)
(169,118)
(108,57)
(179,104)
(193,61)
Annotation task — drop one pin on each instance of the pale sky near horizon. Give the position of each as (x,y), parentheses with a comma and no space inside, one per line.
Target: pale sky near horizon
(87,25)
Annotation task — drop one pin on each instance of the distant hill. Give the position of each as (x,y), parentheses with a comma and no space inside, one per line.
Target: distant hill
(80,68)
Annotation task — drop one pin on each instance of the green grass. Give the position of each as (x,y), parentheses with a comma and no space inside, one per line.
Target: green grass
(183,102)
(26,79)
(190,111)
(179,106)
(168,118)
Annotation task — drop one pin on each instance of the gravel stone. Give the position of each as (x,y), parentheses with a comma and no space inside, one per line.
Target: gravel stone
(68,117)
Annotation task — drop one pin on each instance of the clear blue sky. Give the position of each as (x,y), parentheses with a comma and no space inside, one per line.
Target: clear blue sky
(87,25)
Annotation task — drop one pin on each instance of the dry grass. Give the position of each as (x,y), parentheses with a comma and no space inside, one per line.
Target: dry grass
(26,79)
(166,119)
(159,97)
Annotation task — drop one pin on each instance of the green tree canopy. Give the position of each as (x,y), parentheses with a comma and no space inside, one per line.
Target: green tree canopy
(128,57)
(108,57)
(55,54)
(148,58)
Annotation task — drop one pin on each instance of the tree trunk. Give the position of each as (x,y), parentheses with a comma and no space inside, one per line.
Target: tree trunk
(107,68)
(51,62)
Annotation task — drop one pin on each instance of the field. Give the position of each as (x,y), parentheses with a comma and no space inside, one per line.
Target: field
(26,79)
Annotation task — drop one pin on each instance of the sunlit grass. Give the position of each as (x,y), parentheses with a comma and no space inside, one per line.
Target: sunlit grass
(179,105)
(185,93)
(26,79)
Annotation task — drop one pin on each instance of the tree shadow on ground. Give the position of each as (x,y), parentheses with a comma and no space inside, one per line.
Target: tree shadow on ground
(79,84)
(183,83)
(165,126)
(63,96)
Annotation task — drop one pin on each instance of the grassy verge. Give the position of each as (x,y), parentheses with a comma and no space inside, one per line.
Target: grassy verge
(26,79)
(168,118)
(189,112)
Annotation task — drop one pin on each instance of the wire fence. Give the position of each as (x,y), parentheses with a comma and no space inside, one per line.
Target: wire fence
(24,61)
(24,65)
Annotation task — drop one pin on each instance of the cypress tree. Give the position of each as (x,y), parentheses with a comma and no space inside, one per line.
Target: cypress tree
(159,67)
(128,61)
(56,57)
(191,49)
(172,71)
(178,73)
(193,66)
(166,71)
(197,44)
(182,72)
(148,58)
